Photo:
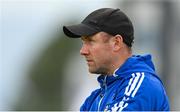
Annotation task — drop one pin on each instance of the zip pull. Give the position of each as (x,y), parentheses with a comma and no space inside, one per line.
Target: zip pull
(101,95)
(104,82)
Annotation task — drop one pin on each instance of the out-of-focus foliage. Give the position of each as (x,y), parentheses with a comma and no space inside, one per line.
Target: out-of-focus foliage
(48,89)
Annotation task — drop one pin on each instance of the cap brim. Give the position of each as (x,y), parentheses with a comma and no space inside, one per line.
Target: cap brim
(76,31)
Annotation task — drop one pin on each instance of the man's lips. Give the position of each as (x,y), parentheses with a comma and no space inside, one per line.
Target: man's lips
(89,61)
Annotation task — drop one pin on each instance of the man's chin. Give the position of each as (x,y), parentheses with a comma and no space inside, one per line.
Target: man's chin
(97,71)
(93,71)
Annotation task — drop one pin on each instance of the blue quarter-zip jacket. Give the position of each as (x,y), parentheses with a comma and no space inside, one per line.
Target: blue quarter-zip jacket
(134,86)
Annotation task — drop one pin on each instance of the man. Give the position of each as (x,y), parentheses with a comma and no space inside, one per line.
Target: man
(127,82)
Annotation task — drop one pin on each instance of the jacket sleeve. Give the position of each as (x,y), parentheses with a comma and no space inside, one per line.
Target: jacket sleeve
(84,106)
(89,100)
(144,94)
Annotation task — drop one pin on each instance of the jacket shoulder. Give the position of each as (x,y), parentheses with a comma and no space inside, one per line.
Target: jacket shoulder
(87,103)
(153,90)
(142,91)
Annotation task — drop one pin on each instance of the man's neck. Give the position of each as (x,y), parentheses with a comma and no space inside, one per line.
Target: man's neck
(118,63)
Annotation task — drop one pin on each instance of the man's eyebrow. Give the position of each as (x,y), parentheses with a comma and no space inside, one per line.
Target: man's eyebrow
(86,38)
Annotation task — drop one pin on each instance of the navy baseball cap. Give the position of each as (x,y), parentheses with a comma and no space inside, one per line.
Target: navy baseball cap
(109,20)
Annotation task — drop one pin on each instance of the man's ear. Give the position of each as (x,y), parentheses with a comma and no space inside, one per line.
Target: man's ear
(118,42)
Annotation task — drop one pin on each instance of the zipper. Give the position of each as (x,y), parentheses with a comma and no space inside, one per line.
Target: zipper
(100,101)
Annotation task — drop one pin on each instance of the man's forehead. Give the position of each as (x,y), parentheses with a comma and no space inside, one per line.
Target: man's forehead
(99,34)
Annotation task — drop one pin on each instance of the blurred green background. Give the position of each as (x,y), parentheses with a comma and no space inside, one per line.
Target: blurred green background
(41,69)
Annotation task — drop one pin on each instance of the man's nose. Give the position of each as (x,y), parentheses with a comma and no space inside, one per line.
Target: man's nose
(84,50)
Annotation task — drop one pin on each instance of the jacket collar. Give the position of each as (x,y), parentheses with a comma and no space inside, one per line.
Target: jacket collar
(132,64)
(105,80)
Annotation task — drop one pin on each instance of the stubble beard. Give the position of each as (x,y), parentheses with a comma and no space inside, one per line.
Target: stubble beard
(102,70)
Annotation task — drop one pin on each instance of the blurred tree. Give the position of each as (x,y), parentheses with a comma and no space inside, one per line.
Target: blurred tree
(48,89)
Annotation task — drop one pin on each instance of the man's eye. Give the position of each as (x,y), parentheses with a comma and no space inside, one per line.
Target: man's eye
(91,40)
